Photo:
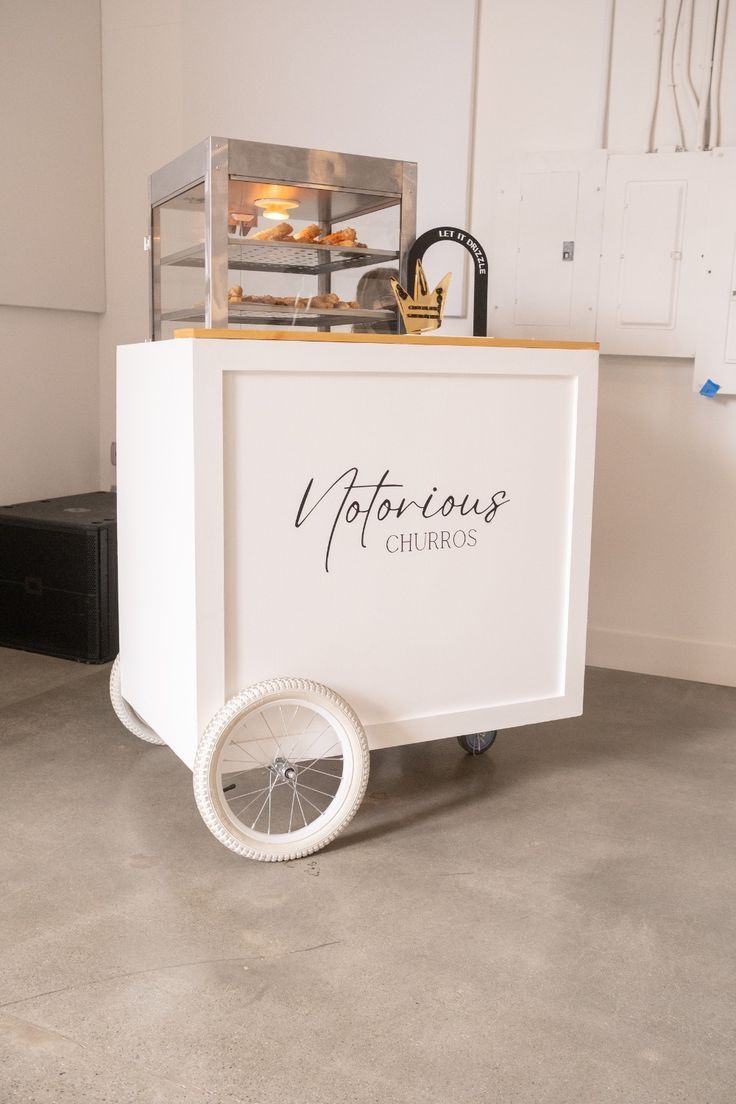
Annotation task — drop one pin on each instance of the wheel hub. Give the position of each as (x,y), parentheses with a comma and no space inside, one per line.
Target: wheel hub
(283,769)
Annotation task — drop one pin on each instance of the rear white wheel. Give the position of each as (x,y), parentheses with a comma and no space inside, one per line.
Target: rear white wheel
(125,714)
(281,769)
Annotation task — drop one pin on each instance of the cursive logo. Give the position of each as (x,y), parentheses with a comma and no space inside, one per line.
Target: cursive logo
(382,501)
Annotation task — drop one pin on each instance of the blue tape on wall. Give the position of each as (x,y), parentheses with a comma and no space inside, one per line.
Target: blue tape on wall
(710,388)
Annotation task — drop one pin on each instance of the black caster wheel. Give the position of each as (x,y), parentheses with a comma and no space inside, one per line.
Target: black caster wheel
(477,742)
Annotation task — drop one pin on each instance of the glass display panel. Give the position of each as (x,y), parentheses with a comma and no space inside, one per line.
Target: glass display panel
(178,262)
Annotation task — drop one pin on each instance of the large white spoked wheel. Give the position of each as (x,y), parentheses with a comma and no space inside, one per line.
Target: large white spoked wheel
(125,714)
(281,769)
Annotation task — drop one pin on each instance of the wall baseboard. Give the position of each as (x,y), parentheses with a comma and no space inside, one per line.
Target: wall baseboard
(696,660)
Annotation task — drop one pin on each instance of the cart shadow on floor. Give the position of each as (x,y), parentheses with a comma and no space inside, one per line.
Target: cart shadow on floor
(416,783)
(622,725)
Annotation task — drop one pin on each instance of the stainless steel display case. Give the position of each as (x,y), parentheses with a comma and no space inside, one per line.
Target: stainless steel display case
(207,204)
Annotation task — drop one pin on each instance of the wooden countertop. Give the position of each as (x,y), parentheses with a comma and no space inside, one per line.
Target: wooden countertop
(380,339)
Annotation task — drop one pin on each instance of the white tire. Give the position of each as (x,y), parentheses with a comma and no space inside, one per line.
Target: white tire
(281,769)
(127,716)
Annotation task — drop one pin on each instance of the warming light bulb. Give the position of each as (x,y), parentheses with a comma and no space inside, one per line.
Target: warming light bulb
(277,209)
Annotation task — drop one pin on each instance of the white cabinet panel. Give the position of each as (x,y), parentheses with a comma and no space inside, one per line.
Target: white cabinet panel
(651,252)
(546,245)
(653,228)
(716,353)
(270,576)
(547,217)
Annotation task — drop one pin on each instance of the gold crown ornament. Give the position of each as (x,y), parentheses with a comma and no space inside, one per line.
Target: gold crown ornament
(423,311)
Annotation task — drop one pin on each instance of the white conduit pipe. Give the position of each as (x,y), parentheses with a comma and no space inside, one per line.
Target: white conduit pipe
(714,98)
(705,85)
(673,80)
(689,106)
(691,91)
(605,100)
(655,109)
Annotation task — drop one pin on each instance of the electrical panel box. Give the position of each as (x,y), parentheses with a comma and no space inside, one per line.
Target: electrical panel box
(715,358)
(653,234)
(546,246)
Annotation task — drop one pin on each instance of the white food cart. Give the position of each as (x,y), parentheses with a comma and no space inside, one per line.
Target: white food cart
(383,539)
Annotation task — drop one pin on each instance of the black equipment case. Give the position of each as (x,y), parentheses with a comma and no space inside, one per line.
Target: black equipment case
(58,577)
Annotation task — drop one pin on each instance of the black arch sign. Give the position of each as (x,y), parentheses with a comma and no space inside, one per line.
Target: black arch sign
(480,268)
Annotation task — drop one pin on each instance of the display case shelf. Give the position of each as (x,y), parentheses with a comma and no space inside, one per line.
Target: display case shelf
(253,254)
(263,314)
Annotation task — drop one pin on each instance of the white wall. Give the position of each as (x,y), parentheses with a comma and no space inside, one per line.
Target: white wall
(663,598)
(664,536)
(48,403)
(51,246)
(540,68)
(142,97)
(340,77)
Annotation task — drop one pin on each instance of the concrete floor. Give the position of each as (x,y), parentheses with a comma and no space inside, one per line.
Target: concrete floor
(552,923)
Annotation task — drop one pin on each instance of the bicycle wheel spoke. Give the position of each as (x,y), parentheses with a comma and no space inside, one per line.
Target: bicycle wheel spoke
(239,812)
(324,793)
(262,789)
(316,770)
(319,758)
(301,807)
(320,811)
(314,741)
(273,734)
(254,740)
(291,812)
(244,770)
(263,806)
(246,751)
